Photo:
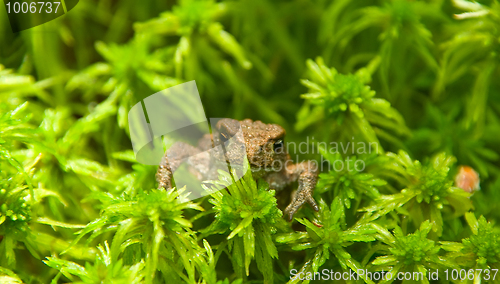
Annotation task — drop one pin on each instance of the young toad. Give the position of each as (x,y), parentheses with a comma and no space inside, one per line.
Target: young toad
(266,153)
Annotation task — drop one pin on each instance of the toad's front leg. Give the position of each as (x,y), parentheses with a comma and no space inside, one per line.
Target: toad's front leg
(307,175)
(172,159)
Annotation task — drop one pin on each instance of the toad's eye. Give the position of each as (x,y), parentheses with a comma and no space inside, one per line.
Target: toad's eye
(224,137)
(278,146)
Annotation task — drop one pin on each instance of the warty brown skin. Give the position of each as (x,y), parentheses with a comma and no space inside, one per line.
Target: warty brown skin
(266,153)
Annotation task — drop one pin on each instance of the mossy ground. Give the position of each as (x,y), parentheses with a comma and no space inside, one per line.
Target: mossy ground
(418,79)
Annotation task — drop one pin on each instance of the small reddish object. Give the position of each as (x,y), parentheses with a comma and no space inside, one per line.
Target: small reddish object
(467,179)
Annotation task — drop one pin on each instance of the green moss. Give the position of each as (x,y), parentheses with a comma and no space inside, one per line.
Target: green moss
(414,80)
(413,252)
(251,216)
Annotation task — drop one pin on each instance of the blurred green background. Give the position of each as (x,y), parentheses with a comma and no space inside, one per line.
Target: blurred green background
(417,76)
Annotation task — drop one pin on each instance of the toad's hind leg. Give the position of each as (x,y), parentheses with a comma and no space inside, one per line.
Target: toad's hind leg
(176,155)
(307,175)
